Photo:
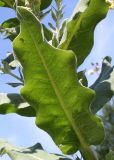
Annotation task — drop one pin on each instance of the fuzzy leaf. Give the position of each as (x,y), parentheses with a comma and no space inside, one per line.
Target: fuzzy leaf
(52,88)
(35,152)
(80,29)
(104,86)
(14,103)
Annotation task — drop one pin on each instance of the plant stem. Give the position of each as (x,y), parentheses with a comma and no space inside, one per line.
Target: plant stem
(87,153)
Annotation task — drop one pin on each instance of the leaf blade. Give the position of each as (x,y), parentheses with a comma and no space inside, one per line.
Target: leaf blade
(35,152)
(103,86)
(50,91)
(80,39)
(14,103)
(45,4)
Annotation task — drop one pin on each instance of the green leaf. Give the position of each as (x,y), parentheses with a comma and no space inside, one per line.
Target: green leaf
(52,88)
(47,33)
(35,152)
(79,35)
(14,103)
(53,16)
(6,68)
(15,84)
(10,28)
(62,29)
(11,3)
(82,78)
(10,23)
(45,4)
(54,41)
(104,86)
(10,60)
(110,155)
(44,14)
(52,27)
(7,3)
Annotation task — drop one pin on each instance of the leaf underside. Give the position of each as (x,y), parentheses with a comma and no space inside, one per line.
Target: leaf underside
(52,88)
(103,86)
(35,152)
(79,35)
(14,103)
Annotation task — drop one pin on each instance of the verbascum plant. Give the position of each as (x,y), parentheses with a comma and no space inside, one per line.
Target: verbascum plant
(52,89)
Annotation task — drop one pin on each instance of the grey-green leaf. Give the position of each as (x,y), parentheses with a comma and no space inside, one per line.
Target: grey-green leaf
(79,35)
(11,61)
(14,103)
(35,152)
(110,155)
(104,86)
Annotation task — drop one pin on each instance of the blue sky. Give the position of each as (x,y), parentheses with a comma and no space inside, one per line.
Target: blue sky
(22,131)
